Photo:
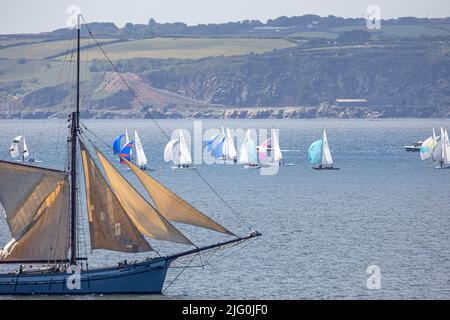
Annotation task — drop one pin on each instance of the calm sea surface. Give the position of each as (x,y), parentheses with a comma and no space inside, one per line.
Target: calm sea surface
(321,230)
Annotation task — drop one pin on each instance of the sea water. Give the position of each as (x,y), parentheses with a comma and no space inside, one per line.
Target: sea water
(322,230)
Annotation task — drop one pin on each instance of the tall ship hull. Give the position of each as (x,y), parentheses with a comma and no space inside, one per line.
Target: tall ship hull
(140,278)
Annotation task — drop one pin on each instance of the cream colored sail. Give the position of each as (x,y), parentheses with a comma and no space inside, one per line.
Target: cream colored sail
(36,202)
(171,206)
(24,192)
(144,216)
(109,225)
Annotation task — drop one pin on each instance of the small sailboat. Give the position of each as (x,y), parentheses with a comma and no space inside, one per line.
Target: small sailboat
(15,148)
(277,157)
(319,154)
(177,151)
(42,208)
(248,155)
(271,147)
(441,152)
(426,149)
(141,158)
(226,148)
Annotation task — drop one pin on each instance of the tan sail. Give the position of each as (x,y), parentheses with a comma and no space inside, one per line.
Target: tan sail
(22,191)
(47,235)
(145,217)
(109,225)
(171,206)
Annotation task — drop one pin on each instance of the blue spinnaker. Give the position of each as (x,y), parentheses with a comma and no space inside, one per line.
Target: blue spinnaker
(218,150)
(315,152)
(211,142)
(116,144)
(125,153)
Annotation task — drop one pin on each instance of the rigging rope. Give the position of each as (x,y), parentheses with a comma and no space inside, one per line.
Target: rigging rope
(243,221)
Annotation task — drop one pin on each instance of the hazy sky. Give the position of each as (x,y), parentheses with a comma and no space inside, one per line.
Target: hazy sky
(20,16)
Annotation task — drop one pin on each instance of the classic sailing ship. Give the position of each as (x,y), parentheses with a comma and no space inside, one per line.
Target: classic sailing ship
(42,210)
(319,154)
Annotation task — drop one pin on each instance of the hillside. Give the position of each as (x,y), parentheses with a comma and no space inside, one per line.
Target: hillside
(287,67)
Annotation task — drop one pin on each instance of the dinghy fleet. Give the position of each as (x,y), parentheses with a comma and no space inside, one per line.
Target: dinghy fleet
(222,149)
(220,146)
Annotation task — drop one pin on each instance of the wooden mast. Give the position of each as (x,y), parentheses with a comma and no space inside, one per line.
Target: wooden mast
(73,155)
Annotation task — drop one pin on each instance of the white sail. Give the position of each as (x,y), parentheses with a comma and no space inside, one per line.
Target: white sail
(25,153)
(244,151)
(14,151)
(141,159)
(327,160)
(185,155)
(168,153)
(230,152)
(276,155)
(446,149)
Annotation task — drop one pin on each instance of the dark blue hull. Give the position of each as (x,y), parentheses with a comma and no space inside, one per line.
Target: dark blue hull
(144,278)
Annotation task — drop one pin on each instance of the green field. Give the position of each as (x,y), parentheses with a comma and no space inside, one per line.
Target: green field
(183,48)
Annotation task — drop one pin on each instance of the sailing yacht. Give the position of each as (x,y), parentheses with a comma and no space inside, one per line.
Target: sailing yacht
(141,158)
(319,154)
(271,146)
(441,152)
(15,149)
(177,151)
(248,155)
(42,208)
(277,157)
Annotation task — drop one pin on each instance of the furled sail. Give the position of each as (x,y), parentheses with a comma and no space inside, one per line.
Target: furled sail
(37,211)
(327,160)
(141,159)
(171,206)
(14,151)
(144,216)
(109,225)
